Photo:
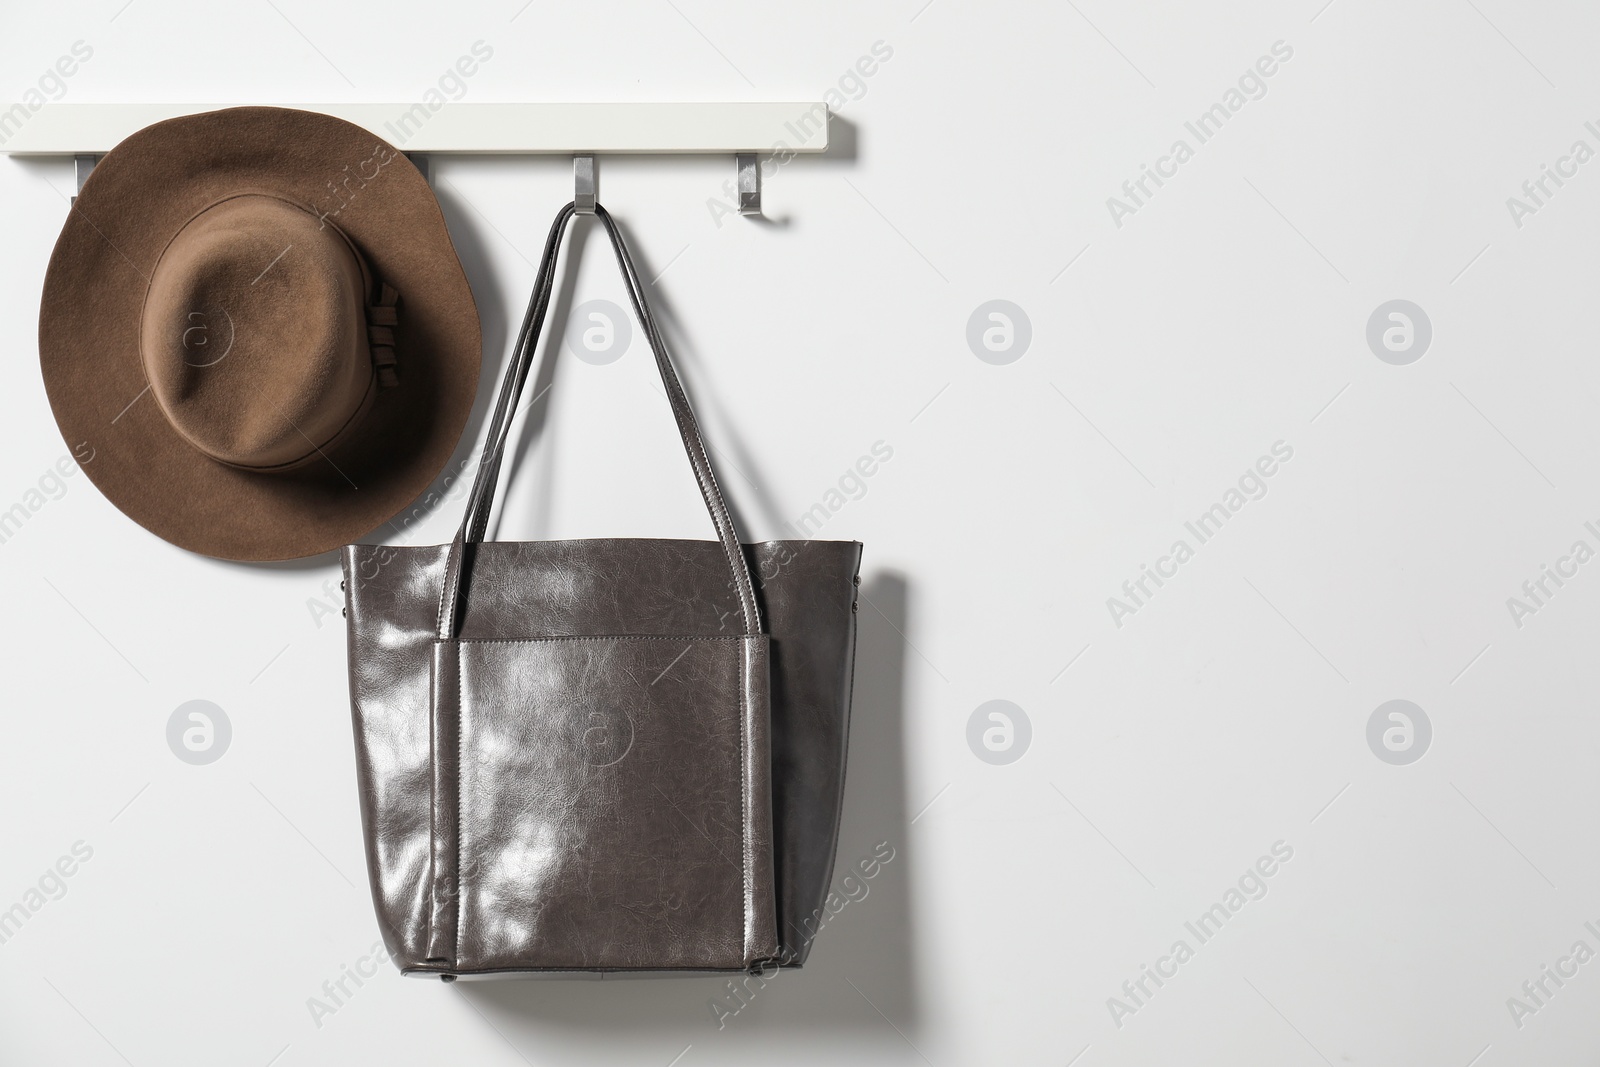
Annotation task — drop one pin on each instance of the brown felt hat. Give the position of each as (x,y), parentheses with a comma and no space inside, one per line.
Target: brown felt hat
(255,334)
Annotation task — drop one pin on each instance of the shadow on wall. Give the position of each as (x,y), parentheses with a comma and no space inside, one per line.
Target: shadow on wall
(862,961)
(501,313)
(500,318)
(496,309)
(844,141)
(730,454)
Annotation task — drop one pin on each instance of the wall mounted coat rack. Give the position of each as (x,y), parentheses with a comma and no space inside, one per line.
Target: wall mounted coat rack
(583,131)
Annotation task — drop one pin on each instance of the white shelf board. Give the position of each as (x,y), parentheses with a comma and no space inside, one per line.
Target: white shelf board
(798,126)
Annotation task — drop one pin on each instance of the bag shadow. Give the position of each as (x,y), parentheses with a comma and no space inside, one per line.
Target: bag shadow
(862,966)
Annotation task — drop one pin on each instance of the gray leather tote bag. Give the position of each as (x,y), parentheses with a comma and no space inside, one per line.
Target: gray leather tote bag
(606,755)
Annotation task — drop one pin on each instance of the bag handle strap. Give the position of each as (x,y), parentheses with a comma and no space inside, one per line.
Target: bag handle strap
(474,523)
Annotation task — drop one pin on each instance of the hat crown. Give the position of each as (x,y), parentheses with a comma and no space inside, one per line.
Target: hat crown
(253,334)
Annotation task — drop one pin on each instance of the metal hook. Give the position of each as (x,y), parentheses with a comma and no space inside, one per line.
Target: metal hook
(749,183)
(583,192)
(84,165)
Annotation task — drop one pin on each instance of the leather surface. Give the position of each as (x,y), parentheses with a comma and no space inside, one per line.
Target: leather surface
(606,830)
(509,825)
(663,588)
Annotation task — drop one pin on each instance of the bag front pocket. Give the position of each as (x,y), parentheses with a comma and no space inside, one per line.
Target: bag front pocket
(603,801)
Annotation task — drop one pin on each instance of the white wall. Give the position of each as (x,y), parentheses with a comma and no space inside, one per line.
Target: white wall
(1225,314)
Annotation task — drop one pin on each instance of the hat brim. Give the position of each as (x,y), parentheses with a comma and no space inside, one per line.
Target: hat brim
(135,199)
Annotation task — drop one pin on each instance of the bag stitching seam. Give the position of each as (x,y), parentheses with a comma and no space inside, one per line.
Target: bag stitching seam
(460,735)
(743,761)
(598,637)
(744,790)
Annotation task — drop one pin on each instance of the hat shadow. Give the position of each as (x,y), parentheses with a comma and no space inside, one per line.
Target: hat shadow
(494,313)
(863,958)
